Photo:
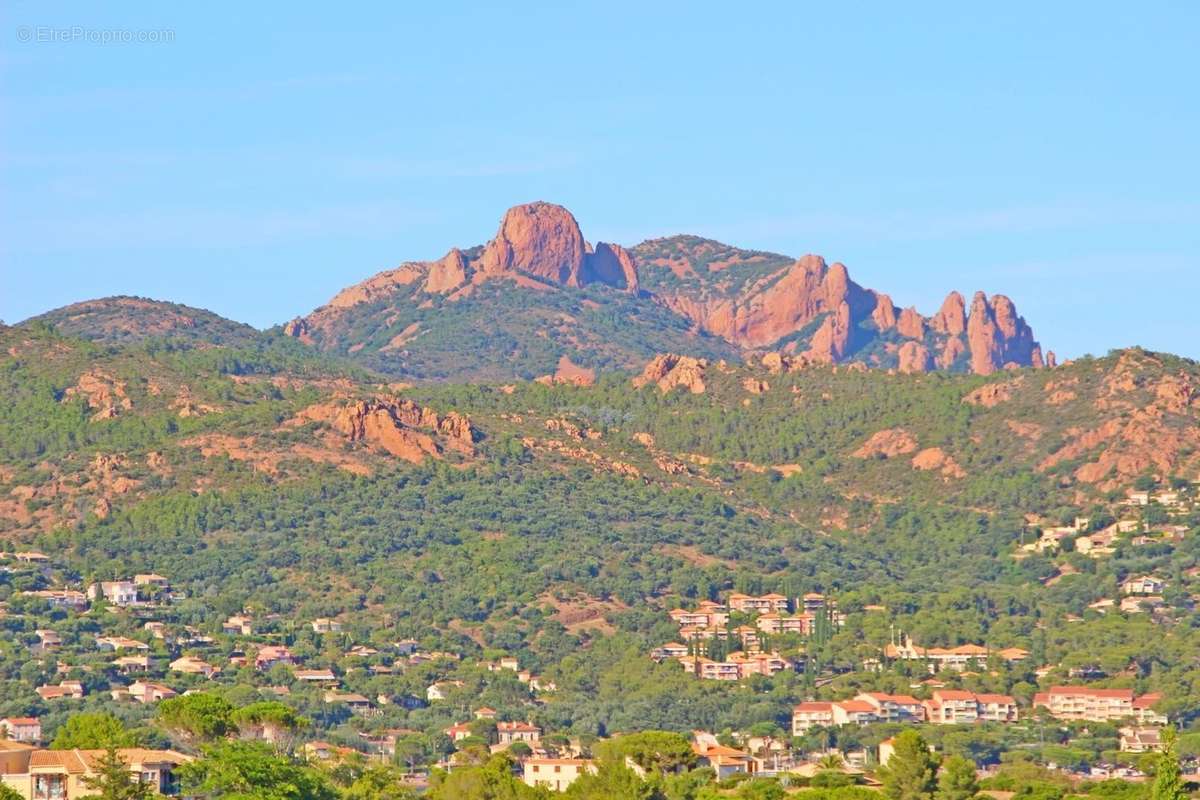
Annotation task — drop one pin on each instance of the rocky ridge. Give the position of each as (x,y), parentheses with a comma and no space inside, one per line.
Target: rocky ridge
(757,302)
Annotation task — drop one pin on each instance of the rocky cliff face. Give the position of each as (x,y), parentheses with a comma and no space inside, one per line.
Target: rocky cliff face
(754,301)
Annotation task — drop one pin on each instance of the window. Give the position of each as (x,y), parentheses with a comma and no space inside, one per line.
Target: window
(49,787)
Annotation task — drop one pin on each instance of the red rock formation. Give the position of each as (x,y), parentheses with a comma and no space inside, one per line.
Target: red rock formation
(298,329)
(832,339)
(447,274)
(951,318)
(668,370)
(884,315)
(611,264)
(394,425)
(538,239)
(997,337)
(911,324)
(914,357)
(887,443)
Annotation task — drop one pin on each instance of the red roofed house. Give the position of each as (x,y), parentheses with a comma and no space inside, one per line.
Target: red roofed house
(271,655)
(894,707)
(21,729)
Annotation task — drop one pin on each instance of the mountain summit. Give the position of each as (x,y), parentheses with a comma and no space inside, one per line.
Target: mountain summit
(539,294)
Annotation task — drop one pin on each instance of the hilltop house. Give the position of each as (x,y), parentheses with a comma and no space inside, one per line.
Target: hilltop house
(358,705)
(61,598)
(119,593)
(510,732)
(145,692)
(1140,740)
(326,625)
(60,774)
(238,624)
(69,690)
(1142,585)
(190,665)
(555,774)
(271,655)
(315,675)
(21,729)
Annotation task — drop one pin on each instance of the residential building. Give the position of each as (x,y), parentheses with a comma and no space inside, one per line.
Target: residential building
(326,625)
(21,729)
(129,665)
(955,658)
(439,690)
(956,707)
(555,774)
(118,593)
(736,665)
(359,705)
(811,714)
(68,690)
(1094,705)
(120,643)
(145,692)
(724,761)
(894,707)
(150,579)
(190,665)
(669,650)
(774,623)
(459,731)
(1140,740)
(61,598)
(238,624)
(510,732)
(60,774)
(702,618)
(271,655)
(1142,585)
(764,604)
(315,675)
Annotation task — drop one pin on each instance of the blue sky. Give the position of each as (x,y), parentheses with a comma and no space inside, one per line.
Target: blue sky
(263,158)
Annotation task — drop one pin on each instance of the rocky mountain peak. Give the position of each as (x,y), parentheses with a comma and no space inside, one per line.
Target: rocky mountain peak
(541,240)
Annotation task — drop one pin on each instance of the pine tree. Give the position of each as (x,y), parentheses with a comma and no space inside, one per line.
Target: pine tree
(114,781)
(957,780)
(911,771)
(1168,785)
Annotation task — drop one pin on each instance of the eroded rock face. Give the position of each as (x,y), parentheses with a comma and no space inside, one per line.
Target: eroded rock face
(397,426)
(104,394)
(669,370)
(537,239)
(448,273)
(831,341)
(887,443)
(951,318)
(611,264)
(884,315)
(911,324)
(914,357)
(997,337)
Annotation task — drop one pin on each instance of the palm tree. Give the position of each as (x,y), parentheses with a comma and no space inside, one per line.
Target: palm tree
(831,761)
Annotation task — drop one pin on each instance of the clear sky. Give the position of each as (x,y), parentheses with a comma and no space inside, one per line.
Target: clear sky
(261,158)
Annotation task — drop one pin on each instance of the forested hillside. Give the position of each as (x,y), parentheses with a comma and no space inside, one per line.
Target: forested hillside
(560,521)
